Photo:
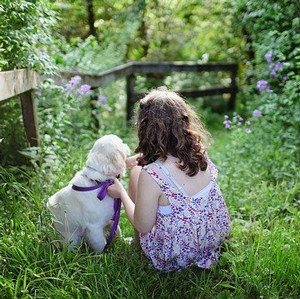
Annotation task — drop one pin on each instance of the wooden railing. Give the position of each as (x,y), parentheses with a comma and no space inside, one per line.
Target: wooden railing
(21,82)
(129,70)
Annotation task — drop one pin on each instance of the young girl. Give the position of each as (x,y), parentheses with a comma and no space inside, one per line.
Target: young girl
(176,204)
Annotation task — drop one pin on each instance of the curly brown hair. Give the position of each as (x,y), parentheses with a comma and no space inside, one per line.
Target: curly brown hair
(168,125)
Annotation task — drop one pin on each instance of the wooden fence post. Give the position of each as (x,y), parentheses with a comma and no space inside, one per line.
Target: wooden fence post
(94,110)
(231,103)
(130,94)
(29,118)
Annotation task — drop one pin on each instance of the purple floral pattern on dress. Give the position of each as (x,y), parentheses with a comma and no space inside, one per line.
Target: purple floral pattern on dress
(193,233)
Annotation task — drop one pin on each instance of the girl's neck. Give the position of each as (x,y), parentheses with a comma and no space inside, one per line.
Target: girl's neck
(171,159)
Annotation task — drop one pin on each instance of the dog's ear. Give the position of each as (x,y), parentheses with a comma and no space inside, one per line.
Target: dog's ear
(110,164)
(126,150)
(108,156)
(117,162)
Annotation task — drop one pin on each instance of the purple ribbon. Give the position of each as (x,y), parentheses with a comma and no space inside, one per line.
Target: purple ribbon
(101,194)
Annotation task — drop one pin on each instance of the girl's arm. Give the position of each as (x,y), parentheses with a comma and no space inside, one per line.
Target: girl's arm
(141,214)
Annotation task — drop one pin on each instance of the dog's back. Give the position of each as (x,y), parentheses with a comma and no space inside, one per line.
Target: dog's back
(66,211)
(77,213)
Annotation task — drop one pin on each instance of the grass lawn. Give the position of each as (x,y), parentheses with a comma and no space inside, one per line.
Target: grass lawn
(261,260)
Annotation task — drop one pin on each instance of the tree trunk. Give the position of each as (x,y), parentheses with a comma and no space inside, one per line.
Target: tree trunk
(91,18)
(143,29)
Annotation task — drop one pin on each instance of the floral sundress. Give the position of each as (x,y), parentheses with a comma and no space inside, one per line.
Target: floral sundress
(193,231)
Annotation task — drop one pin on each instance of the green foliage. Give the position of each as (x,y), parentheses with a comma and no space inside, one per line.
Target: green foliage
(110,17)
(158,30)
(258,172)
(116,21)
(25,34)
(273,28)
(12,133)
(260,259)
(89,56)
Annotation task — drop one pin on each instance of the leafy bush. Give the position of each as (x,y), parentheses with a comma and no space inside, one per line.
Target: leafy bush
(272,31)
(25,34)
(89,56)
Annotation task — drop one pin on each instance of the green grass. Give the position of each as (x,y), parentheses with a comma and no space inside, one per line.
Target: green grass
(261,260)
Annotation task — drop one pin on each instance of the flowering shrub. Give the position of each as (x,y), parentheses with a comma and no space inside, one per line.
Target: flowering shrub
(263,85)
(68,114)
(271,29)
(276,72)
(237,123)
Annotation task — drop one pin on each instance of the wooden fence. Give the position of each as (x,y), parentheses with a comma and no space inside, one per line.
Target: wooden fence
(129,70)
(21,82)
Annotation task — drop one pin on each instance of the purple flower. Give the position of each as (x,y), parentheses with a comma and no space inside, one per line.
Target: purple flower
(278,65)
(74,81)
(226,116)
(285,78)
(38,93)
(84,89)
(273,73)
(268,56)
(248,122)
(102,99)
(256,113)
(42,51)
(269,90)
(227,122)
(248,131)
(239,123)
(262,84)
(227,126)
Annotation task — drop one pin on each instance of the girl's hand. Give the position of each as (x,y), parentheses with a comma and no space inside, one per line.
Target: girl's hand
(131,161)
(116,190)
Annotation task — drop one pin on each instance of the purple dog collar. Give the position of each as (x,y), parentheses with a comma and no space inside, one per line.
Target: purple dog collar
(101,194)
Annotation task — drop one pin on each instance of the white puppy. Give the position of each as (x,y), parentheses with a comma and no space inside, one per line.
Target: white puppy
(81,215)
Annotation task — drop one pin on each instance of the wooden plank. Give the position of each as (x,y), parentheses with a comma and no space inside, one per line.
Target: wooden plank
(29,118)
(13,83)
(144,67)
(130,97)
(207,92)
(147,67)
(195,93)
(103,78)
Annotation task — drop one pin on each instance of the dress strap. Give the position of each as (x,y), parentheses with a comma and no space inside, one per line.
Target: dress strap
(213,170)
(161,182)
(168,176)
